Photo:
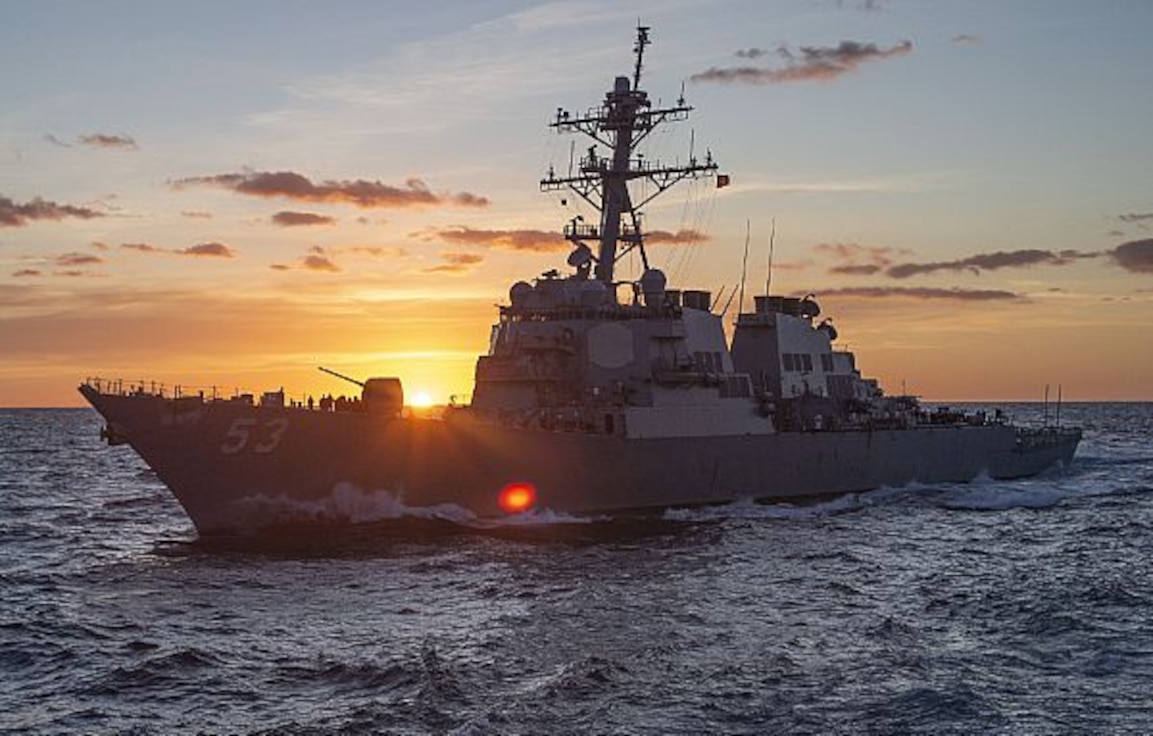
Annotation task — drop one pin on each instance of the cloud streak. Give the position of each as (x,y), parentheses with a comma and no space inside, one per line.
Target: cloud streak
(925,293)
(856,259)
(544,241)
(104,140)
(539,241)
(72,260)
(317,260)
(201,250)
(992,262)
(13,214)
(359,192)
(806,64)
(301,219)
(457,263)
(96,140)
(1136,217)
(207,250)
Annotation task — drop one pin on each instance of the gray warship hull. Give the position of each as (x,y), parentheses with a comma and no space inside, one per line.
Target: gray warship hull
(597,395)
(238,468)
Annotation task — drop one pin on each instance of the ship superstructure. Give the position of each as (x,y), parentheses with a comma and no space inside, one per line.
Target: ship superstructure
(597,394)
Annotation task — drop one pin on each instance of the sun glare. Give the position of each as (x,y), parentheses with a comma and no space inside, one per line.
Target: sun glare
(517,497)
(421,400)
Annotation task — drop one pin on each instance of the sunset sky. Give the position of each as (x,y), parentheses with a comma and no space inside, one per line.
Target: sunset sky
(234,193)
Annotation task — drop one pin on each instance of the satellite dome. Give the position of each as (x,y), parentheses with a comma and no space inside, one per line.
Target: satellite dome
(519,293)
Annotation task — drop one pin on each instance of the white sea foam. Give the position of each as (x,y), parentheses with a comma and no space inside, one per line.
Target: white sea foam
(989,497)
(749,509)
(536,517)
(350,503)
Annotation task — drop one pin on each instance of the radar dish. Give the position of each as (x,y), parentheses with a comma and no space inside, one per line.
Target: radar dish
(582,256)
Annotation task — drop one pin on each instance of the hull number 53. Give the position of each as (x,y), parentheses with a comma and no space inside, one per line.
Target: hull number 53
(250,433)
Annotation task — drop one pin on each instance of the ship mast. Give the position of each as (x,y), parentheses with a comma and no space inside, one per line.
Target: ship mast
(623,120)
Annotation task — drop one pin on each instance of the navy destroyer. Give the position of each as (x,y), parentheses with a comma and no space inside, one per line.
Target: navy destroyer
(597,395)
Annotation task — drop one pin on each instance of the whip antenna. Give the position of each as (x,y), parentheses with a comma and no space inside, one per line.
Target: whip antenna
(772,240)
(744,270)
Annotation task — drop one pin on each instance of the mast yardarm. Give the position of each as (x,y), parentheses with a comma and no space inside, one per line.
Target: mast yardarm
(623,120)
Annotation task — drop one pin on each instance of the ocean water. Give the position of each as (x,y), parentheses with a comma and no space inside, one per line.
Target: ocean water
(1000,608)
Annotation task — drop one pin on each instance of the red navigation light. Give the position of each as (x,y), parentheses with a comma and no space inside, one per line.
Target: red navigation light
(517,497)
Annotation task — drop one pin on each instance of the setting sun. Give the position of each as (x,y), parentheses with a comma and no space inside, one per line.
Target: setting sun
(421,400)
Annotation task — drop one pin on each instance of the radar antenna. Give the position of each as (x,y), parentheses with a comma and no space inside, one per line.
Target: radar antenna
(639,49)
(620,124)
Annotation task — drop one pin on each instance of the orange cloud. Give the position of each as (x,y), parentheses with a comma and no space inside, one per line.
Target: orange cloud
(18,215)
(858,260)
(295,219)
(142,247)
(197,215)
(210,250)
(544,241)
(201,250)
(456,263)
(317,260)
(361,193)
(680,237)
(319,263)
(809,63)
(78,259)
(540,241)
(376,251)
(26,272)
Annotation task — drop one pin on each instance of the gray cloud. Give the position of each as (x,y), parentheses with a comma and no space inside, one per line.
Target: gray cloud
(104,140)
(856,269)
(359,192)
(808,63)
(887,292)
(856,259)
(298,219)
(992,262)
(78,259)
(1135,256)
(1136,217)
(19,215)
(207,250)
(143,247)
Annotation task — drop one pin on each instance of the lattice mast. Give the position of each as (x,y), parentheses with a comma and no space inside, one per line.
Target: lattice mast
(623,120)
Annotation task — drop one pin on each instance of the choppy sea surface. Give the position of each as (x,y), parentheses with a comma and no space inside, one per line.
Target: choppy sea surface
(1004,608)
